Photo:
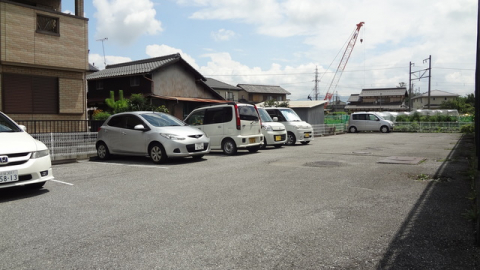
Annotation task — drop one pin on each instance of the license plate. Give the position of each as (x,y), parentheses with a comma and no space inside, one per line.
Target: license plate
(278,138)
(307,135)
(251,140)
(199,146)
(8,176)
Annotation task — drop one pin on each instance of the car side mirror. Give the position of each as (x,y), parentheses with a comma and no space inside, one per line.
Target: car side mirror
(275,119)
(140,127)
(24,128)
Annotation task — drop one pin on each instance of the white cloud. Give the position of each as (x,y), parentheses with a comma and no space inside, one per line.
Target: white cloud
(223,35)
(99,61)
(124,21)
(161,50)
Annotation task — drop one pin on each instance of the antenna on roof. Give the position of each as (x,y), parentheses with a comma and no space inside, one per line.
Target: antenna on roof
(104,60)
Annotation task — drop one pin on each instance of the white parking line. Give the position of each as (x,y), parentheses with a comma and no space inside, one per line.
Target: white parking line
(134,165)
(61,182)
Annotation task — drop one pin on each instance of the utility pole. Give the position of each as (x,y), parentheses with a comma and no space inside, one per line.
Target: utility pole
(420,74)
(410,104)
(316,83)
(429,76)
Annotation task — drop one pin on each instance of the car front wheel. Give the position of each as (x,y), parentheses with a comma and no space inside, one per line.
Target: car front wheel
(157,153)
(102,151)
(352,129)
(290,139)
(384,129)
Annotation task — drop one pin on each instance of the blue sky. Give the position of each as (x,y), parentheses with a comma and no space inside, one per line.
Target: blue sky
(282,42)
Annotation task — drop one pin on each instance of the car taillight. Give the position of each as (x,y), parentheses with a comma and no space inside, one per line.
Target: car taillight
(237,116)
(258,114)
(98,130)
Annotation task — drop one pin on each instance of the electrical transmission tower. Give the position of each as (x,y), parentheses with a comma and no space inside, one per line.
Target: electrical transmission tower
(421,74)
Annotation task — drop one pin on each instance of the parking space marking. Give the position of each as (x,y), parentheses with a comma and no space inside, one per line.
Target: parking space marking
(137,165)
(61,182)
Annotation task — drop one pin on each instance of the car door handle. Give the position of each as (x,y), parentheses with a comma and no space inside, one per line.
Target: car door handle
(123,133)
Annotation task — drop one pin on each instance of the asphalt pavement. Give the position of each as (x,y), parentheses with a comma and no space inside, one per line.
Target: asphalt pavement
(348,201)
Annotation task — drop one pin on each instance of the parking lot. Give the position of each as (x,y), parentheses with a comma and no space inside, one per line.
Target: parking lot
(342,202)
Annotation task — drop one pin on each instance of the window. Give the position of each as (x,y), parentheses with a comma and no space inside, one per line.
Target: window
(30,94)
(47,25)
(360,117)
(196,118)
(99,85)
(134,81)
(218,115)
(372,117)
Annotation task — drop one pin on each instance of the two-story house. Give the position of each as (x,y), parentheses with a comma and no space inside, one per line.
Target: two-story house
(255,93)
(167,80)
(227,91)
(437,97)
(378,99)
(43,60)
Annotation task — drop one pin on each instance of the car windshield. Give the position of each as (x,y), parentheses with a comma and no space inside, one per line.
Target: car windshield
(6,125)
(290,115)
(162,120)
(264,115)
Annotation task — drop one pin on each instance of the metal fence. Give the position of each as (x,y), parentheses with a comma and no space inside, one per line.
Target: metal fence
(69,145)
(328,129)
(60,126)
(430,127)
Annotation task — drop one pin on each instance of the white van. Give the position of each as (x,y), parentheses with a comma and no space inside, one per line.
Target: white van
(229,126)
(368,121)
(297,129)
(274,133)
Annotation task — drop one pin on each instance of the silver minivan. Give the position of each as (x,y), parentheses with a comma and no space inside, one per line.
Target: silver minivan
(230,126)
(369,121)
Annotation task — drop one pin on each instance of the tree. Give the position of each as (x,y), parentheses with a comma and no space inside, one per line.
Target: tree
(117,106)
(464,105)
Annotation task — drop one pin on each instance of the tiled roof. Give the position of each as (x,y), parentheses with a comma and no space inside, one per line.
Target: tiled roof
(437,93)
(263,89)
(354,98)
(376,92)
(138,67)
(216,84)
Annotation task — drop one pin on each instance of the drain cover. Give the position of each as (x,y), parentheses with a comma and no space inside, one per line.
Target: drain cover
(323,164)
(402,160)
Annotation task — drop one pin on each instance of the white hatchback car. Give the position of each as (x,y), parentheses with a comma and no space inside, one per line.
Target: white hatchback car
(297,129)
(158,135)
(24,161)
(275,133)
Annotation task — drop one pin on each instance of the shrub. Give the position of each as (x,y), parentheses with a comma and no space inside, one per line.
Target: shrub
(100,115)
(470,128)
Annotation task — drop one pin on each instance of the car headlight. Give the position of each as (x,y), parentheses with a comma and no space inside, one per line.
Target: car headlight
(172,136)
(297,127)
(267,127)
(41,153)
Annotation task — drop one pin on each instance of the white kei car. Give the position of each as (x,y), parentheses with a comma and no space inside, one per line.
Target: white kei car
(24,161)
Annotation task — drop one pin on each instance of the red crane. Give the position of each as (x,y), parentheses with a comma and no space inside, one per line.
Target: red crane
(343,63)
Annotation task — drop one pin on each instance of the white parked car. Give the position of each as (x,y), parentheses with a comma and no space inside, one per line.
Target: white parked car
(369,121)
(230,126)
(297,129)
(274,133)
(158,135)
(24,161)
